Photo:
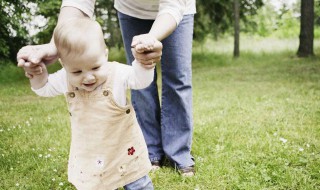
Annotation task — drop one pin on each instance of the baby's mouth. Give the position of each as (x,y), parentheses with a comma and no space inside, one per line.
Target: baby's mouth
(89,85)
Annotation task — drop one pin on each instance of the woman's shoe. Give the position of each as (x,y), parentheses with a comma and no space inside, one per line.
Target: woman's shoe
(187,171)
(155,165)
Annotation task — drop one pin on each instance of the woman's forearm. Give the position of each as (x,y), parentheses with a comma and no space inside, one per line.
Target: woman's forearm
(163,26)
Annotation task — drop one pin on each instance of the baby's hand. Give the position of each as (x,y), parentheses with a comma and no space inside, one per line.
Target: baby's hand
(143,43)
(32,69)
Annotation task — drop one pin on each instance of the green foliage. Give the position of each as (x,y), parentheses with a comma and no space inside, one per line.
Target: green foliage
(214,19)
(317,12)
(106,15)
(269,22)
(12,31)
(217,17)
(50,10)
(104,12)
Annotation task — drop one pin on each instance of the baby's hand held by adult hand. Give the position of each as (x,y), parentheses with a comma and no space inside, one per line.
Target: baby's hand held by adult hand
(147,50)
(46,53)
(32,69)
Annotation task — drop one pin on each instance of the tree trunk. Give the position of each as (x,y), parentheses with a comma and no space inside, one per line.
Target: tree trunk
(306,29)
(236,51)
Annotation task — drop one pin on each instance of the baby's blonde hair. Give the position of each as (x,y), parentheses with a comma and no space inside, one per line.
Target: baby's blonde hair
(70,37)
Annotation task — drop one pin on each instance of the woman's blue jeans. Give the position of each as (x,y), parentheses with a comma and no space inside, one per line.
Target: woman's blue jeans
(167,128)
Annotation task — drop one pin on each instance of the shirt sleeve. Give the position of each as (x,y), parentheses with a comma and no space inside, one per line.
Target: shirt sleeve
(86,6)
(130,77)
(133,77)
(175,8)
(139,77)
(56,85)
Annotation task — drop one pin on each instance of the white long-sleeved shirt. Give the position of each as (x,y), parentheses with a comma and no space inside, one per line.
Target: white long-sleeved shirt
(143,9)
(126,77)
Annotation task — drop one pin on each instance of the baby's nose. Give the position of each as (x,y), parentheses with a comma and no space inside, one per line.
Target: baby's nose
(89,78)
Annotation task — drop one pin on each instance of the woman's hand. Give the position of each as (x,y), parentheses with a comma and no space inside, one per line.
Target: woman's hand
(146,49)
(36,54)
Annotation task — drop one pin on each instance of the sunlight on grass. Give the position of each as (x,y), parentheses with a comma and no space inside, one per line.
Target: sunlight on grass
(244,109)
(251,44)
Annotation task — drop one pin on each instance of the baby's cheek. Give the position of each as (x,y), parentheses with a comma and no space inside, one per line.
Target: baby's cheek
(102,76)
(74,81)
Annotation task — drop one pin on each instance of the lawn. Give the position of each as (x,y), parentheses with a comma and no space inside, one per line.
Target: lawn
(256,126)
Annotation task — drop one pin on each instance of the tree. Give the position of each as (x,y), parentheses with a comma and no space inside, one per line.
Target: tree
(215,17)
(317,12)
(236,48)
(49,9)
(306,29)
(12,31)
(106,15)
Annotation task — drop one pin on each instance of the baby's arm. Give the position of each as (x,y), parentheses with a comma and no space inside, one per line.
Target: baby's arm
(130,77)
(135,76)
(39,79)
(44,84)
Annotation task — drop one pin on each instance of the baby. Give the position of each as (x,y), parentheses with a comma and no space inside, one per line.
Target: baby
(107,146)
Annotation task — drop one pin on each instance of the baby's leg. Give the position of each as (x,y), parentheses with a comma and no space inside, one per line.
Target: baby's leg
(143,183)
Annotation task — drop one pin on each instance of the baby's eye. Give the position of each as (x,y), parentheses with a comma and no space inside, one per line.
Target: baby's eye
(76,72)
(96,68)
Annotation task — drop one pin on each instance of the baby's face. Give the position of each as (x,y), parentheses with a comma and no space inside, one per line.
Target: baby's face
(86,71)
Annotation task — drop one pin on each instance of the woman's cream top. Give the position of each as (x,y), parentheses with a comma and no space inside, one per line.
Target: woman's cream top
(143,9)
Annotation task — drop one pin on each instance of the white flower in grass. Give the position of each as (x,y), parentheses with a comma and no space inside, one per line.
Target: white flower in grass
(13,127)
(49,119)
(308,145)
(28,123)
(40,155)
(197,187)
(200,159)
(11,168)
(283,140)
(275,134)
(301,149)
(55,170)
(17,184)
(1,130)
(53,179)
(30,118)
(61,184)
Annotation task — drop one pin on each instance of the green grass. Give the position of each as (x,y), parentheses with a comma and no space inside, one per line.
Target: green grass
(256,126)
